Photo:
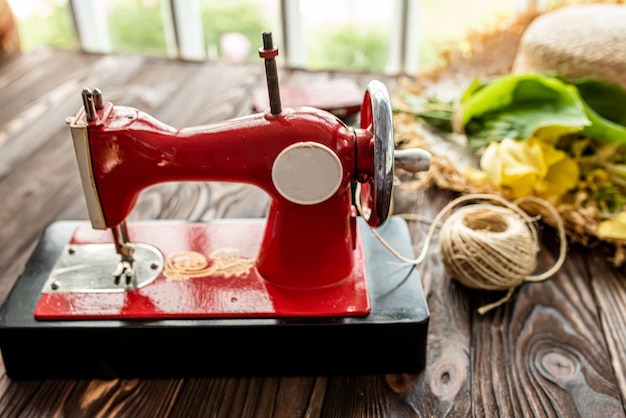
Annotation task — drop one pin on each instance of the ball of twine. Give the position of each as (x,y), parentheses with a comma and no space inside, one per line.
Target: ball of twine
(488,247)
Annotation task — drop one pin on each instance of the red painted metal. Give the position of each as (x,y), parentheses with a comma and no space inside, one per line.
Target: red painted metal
(211,296)
(304,246)
(268,53)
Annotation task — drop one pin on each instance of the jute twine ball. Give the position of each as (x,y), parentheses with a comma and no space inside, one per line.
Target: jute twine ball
(488,247)
(484,245)
(576,42)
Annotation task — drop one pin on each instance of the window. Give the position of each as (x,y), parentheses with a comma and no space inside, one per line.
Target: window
(392,36)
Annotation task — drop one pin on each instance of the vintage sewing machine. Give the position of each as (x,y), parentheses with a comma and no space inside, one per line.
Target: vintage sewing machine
(308,290)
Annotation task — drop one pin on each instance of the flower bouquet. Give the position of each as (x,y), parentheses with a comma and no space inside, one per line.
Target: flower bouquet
(527,133)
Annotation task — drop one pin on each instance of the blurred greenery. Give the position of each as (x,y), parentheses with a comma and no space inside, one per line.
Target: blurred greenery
(349,47)
(54,29)
(220,17)
(137,26)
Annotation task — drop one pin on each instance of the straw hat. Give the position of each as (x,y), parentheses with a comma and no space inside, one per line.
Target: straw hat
(577,42)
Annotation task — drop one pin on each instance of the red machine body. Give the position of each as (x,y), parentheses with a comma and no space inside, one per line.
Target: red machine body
(309,260)
(209,273)
(130,150)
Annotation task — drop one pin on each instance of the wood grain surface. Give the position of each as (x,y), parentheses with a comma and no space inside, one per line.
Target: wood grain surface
(557,349)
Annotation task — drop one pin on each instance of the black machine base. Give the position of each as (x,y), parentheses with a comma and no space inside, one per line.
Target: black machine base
(391,339)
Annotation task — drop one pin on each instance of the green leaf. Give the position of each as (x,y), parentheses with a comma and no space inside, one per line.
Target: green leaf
(604,129)
(441,119)
(516,106)
(606,99)
(436,113)
(605,104)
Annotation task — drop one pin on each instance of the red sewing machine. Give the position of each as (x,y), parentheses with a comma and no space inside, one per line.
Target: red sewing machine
(308,290)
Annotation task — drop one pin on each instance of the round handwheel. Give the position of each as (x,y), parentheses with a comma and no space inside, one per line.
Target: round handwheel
(376,117)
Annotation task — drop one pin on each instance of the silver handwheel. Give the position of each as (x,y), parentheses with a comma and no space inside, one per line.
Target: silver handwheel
(376,116)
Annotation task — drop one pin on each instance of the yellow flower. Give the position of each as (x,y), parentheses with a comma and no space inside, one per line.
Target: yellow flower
(613,228)
(528,167)
(475,176)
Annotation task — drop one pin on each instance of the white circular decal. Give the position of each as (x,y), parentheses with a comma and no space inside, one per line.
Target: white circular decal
(307,173)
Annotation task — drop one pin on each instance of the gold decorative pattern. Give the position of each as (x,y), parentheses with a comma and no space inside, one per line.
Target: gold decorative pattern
(226,262)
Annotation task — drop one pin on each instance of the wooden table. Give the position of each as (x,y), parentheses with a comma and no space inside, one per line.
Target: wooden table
(558,349)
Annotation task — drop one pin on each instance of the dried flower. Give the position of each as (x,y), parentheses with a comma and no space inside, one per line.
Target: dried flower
(613,228)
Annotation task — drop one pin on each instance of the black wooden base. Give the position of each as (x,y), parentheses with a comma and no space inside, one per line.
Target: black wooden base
(392,338)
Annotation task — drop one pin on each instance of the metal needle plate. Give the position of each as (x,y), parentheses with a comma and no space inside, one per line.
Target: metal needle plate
(89,268)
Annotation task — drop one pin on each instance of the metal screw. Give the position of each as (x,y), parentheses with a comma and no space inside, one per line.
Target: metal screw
(88,104)
(55,285)
(97,99)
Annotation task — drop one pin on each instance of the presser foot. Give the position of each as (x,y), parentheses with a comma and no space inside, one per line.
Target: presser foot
(126,270)
(126,267)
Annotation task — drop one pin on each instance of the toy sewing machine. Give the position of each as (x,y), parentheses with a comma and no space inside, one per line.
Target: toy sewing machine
(308,290)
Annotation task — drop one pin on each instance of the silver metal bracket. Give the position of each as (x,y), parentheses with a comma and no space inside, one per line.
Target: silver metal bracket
(85,268)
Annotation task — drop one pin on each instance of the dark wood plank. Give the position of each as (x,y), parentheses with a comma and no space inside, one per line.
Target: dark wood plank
(36,109)
(14,396)
(544,354)
(362,396)
(118,397)
(34,195)
(209,93)
(300,396)
(443,389)
(24,79)
(609,292)
(48,400)
(251,397)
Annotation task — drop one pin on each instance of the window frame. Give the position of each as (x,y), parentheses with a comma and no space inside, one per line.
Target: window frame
(184,31)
